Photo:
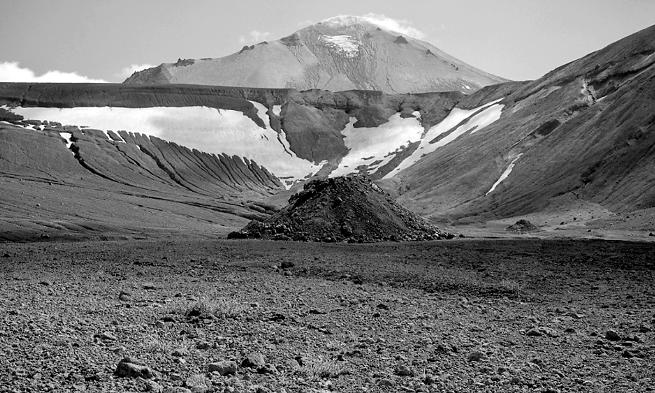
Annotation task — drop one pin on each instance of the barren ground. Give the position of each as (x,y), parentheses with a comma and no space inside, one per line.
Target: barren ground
(461,315)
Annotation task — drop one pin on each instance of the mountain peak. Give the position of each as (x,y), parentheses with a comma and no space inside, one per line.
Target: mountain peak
(345,52)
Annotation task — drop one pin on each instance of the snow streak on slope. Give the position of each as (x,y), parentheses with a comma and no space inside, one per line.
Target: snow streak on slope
(202,128)
(505,174)
(488,113)
(373,147)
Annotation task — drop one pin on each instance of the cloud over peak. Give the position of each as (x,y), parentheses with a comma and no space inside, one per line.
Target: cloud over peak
(254,37)
(11,71)
(401,26)
(126,72)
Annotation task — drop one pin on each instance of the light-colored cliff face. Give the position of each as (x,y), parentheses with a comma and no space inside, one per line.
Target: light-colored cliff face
(343,53)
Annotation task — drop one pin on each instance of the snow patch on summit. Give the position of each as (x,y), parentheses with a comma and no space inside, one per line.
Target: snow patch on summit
(342,43)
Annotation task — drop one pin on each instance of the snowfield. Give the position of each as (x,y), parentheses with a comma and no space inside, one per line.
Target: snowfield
(202,128)
(342,43)
(488,113)
(231,132)
(368,145)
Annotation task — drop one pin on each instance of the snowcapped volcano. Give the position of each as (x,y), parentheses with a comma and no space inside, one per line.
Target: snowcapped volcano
(339,53)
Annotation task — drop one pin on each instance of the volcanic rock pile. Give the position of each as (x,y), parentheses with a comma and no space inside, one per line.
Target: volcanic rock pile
(340,209)
(522,226)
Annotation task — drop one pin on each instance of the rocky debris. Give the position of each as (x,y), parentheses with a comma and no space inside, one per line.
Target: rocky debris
(131,368)
(350,208)
(426,332)
(542,331)
(522,226)
(224,367)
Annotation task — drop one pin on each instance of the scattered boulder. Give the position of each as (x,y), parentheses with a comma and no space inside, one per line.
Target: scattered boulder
(254,360)
(522,226)
(286,265)
(476,356)
(225,367)
(612,335)
(124,296)
(131,368)
(404,371)
(198,383)
(350,208)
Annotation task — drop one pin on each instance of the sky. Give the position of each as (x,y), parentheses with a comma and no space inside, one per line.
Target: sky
(102,40)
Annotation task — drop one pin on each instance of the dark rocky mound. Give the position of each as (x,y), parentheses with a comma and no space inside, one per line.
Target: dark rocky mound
(522,226)
(349,209)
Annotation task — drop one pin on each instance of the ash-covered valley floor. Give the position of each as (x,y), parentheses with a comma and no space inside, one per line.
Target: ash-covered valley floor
(460,315)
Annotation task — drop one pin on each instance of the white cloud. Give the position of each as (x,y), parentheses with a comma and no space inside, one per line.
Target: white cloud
(401,26)
(254,37)
(132,68)
(11,71)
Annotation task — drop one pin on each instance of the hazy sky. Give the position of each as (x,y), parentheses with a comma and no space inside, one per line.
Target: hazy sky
(102,39)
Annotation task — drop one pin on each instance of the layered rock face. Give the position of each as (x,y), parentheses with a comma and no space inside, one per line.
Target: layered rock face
(348,208)
(341,53)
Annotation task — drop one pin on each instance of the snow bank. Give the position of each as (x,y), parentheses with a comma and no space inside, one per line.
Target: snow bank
(368,145)
(490,113)
(202,128)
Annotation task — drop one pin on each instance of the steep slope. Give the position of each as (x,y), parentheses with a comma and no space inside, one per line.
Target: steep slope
(580,138)
(66,182)
(348,208)
(341,53)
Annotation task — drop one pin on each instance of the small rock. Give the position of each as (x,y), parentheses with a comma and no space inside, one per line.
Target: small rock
(534,333)
(105,336)
(177,389)
(267,369)
(132,368)
(203,345)
(612,335)
(475,356)
(254,360)
(385,383)
(198,383)
(180,352)
(152,386)
(225,367)
(403,371)
(124,296)
(287,265)
(149,286)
